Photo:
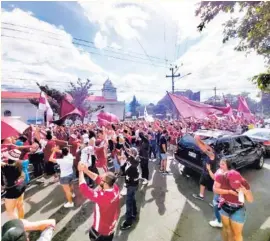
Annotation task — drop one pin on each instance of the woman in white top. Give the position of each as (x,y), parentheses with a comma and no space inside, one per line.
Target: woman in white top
(66,173)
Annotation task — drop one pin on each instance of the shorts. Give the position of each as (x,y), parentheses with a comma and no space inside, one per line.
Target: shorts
(205,180)
(16,191)
(163,156)
(239,216)
(67,179)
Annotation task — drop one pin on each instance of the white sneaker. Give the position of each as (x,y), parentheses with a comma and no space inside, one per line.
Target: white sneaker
(69,205)
(145,182)
(73,195)
(124,192)
(215,224)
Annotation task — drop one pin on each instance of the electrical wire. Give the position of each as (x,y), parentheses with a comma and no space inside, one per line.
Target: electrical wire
(77,39)
(144,51)
(110,56)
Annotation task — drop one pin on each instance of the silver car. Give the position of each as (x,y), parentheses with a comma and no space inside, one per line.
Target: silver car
(260,135)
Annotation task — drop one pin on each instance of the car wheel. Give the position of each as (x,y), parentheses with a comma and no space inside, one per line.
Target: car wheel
(259,163)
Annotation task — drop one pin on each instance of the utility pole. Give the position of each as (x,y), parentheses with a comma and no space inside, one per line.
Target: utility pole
(173,76)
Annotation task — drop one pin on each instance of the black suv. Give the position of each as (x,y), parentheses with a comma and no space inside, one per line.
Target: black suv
(241,150)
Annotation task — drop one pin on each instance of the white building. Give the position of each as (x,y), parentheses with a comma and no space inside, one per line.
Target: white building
(17,104)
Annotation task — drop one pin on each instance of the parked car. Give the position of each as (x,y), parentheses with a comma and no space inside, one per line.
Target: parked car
(262,136)
(239,149)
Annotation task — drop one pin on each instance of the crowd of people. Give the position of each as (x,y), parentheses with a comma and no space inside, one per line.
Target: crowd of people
(65,154)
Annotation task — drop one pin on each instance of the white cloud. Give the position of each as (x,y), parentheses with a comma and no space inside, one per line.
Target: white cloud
(100,41)
(123,19)
(25,56)
(211,62)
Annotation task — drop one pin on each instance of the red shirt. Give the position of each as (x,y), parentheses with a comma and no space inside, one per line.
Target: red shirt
(74,146)
(107,208)
(48,149)
(221,178)
(101,156)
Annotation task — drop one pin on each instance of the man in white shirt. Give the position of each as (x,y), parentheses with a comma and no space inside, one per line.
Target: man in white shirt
(66,173)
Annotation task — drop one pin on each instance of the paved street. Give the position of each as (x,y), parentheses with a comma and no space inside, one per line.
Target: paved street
(167,209)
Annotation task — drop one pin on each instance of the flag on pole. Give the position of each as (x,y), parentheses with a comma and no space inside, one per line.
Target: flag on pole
(145,113)
(45,106)
(147,117)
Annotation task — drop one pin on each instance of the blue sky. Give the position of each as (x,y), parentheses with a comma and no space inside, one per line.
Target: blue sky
(151,32)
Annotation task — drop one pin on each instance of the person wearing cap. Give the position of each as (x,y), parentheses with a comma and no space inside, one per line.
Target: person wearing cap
(107,203)
(234,190)
(15,184)
(66,173)
(132,182)
(16,229)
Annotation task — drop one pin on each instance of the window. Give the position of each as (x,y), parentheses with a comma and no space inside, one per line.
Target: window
(246,142)
(224,147)
(7,113)
(237,143)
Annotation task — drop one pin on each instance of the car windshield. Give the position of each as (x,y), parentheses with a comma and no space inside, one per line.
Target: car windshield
(258,133)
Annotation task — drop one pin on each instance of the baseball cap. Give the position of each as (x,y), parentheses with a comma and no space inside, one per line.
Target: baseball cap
(236,180)
(14,231)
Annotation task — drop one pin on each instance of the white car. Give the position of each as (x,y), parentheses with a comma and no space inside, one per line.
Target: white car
(260,135)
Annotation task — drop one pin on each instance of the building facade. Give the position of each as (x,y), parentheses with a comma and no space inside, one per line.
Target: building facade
(17,104)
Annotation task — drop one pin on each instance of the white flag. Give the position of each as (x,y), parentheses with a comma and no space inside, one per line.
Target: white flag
(45,106)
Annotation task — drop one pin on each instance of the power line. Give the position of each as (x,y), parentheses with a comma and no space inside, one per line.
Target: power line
(144,50)
(78,39)
(84,45)
(110,56)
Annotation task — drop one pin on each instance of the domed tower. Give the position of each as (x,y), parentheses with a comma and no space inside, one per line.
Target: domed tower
(109,91)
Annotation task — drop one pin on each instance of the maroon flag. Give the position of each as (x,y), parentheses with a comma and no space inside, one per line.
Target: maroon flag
(188,108)
(66,107)
(243,106)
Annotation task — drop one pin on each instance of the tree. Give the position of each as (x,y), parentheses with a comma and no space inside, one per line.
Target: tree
(133,106)
(55,97)
(252,30)
(79,92)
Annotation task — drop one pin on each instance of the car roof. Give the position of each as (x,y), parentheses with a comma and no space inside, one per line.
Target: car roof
(213,133)
(257,130)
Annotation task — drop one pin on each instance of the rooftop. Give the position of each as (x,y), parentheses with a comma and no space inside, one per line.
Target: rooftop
(28,95)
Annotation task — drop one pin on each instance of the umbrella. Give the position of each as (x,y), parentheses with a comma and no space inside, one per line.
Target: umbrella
(12,127)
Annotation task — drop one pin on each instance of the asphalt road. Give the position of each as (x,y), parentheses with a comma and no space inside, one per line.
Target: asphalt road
(167,209)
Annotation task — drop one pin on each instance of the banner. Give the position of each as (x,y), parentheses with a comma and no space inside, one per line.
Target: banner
(188,108)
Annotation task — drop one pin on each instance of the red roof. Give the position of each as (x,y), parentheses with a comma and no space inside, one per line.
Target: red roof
(19,95)
(27,95)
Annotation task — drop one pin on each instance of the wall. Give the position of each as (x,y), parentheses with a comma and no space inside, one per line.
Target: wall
(24,109)
(116,108)
(19,107)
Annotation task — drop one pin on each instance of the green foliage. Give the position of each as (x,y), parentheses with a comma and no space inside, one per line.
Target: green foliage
(252,30)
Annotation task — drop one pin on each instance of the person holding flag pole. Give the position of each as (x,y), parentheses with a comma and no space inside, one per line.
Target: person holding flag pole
(45,106)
